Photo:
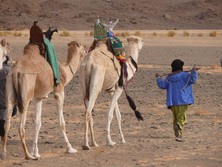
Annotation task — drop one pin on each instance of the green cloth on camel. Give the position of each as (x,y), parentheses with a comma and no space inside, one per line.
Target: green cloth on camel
(53,61)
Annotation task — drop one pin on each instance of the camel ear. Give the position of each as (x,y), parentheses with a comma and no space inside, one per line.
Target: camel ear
(136,40)
(127,39)
(8,47)
(3,42)
(132,39)
(78,44)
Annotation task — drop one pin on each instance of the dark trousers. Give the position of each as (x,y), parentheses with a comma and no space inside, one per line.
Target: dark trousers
(2,130)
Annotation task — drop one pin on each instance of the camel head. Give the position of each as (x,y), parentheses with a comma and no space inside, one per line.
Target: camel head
(76,48)
(4,50)
(135,39)
(135,44)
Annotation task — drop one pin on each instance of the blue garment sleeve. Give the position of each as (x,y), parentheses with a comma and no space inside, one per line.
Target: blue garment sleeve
(162,84)
(193,77)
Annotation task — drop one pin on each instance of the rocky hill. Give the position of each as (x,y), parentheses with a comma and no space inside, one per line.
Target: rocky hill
(140,14)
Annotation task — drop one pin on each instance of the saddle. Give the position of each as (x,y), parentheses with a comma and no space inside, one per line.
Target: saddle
(46,48)
(114,45)
(99,32)
(123,72)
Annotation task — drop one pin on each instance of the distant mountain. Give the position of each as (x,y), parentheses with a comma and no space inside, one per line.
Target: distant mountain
(140,14)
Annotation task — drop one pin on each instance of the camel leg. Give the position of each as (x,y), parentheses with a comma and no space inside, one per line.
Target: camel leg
(7,127)
(38,124)
(94,88)
(22,132)
(89,123)
(60,100)
(118,116)
(85,88)
(94,144)
(113,104)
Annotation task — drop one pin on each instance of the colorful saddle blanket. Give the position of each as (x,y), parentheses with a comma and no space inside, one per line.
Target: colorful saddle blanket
(118,49)
(53,61)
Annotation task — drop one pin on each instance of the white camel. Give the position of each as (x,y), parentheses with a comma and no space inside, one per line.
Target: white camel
(100,71)
(4,50)
(31,78)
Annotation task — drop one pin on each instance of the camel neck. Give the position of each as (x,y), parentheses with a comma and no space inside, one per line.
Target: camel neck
(133,53)
(100,43)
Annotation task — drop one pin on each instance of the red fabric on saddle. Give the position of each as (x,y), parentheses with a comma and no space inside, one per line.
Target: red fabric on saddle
(36,35)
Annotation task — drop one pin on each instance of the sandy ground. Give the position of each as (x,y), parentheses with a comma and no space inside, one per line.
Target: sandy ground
(149,143)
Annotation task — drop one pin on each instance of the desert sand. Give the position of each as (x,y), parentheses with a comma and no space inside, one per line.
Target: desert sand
(149,143)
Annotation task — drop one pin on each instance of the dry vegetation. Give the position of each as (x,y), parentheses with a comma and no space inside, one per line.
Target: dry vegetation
(122,33)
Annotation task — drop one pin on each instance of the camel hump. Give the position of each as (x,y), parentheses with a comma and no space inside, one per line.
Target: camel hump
(32,64)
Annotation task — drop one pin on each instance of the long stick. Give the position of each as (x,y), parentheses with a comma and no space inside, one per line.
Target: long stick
(166,74)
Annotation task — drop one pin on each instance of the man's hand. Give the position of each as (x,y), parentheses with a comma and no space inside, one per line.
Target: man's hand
(157,75)
(195,68)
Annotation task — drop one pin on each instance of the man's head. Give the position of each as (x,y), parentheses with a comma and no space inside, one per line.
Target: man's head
(177,65)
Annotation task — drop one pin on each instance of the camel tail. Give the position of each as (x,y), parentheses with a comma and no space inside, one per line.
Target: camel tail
(17,92)
(85,81)
(133,106)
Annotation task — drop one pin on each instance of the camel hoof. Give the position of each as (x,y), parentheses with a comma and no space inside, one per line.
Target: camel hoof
(71,150)
(3,156)
(95,145)
(36,156)
(111,144)
(85,147)
(31,157)
(123,141)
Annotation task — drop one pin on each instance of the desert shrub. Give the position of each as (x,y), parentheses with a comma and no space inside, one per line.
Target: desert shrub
(5,33)
(65,34)
(171,34)
(86,34)
(213,34)
(91,33)
(199,34)
(137,33)
(117,34)
(215,66)
(125,34)
(186,34)
(17,34)
(154,34)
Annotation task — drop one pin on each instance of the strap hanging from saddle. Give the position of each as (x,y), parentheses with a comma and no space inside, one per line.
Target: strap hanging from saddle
(118,51)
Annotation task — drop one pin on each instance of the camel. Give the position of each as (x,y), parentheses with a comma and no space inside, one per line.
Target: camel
(31,78)
(100,71)
(4,50)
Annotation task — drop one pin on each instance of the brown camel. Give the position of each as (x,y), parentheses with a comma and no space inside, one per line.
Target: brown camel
(31,78)
(4,50)
(100,71)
